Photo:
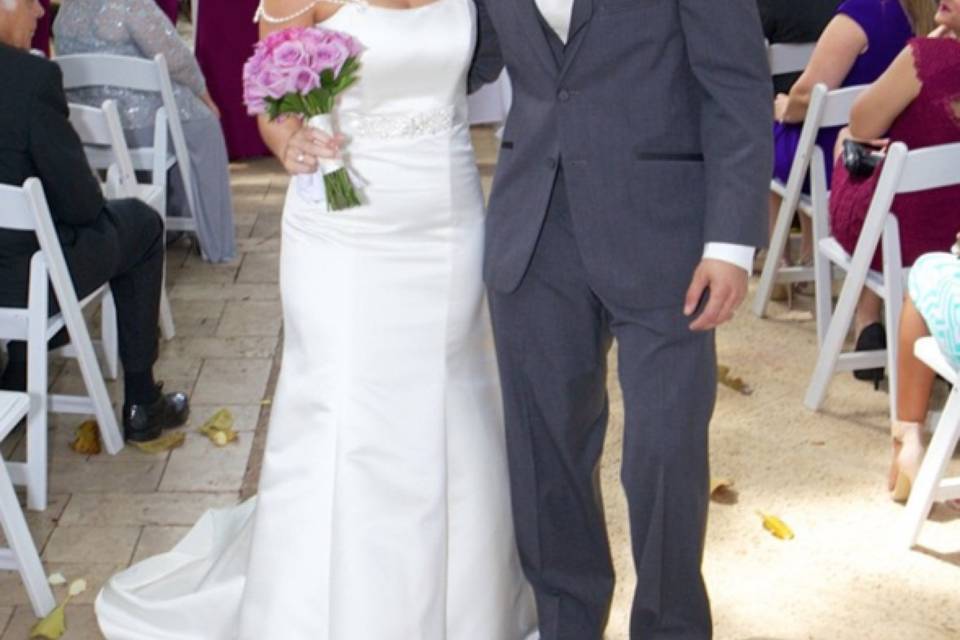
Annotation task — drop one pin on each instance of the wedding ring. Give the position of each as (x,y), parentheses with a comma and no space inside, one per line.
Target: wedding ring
(301,157)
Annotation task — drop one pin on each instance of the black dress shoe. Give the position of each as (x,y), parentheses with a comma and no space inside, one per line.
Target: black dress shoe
(145,422)
(872,338)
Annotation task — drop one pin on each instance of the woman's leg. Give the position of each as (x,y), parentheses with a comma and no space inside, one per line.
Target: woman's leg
(915,378)
(914,386)
(869,310)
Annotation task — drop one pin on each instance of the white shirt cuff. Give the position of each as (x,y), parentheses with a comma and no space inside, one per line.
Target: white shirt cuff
(738,254)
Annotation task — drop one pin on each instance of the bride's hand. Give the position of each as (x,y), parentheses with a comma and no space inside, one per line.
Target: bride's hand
(308,145)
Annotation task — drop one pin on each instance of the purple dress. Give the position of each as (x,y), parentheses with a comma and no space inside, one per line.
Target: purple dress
(888,31)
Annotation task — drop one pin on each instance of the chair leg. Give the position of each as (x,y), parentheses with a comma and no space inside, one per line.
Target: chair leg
(37,416)
(21,545)
(935,463)
(833,342)
(823,277)
(167,327)
(109,336)
(893,306)
(771,266)
(93,379)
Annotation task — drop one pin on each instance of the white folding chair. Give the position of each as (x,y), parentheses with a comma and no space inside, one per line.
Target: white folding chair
(21,554)
(903,172)
(85,70)
(930,485)
(827,109)
(25,209)
(789,57)
(102,136)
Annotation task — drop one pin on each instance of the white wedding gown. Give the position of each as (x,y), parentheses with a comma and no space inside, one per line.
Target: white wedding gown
(383,508)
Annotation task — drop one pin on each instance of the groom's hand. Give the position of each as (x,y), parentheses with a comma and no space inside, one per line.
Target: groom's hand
(727,284)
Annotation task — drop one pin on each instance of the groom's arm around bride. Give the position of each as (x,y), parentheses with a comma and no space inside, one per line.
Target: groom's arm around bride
(629,196)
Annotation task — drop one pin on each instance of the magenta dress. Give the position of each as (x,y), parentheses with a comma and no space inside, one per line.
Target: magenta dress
(171,8)
(221,59)
(888,30)
(929,220)
(41,37)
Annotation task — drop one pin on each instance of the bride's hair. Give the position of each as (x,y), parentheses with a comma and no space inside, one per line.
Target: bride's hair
(921,15)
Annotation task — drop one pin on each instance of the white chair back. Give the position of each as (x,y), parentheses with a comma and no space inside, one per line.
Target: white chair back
(102,136)
(86,70)
(789,58)
(827,109)
(903,171)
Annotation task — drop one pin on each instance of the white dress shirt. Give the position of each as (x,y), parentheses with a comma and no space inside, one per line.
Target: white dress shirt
(557,13)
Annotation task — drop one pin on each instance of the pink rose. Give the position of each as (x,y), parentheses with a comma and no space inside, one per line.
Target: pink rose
(329,56)
(290,54)
(275,84)
(305,79)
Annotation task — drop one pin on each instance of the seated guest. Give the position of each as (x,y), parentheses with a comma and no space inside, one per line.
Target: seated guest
(858,44)
(932,306)
(139,28)
(792,22)
(117,241)
(917,102)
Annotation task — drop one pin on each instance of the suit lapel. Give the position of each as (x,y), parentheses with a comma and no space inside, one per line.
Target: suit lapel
(530,20)
(582,12)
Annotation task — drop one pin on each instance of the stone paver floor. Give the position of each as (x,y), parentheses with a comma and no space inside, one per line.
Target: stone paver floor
(841,578)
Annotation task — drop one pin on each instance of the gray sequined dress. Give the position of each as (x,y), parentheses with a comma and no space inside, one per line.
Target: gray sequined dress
(138,28)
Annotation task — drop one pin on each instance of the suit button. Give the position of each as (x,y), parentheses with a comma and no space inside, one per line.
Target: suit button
(563,95)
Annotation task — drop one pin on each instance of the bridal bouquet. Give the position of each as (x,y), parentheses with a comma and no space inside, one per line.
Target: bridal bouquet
(300,72)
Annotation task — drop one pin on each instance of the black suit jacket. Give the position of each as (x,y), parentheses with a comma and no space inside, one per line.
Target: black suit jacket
(794,22)
(36,139)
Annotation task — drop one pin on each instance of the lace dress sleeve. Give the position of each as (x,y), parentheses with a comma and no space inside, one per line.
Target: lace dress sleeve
(153,33)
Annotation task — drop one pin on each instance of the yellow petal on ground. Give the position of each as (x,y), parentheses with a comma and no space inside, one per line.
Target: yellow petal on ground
(266,402)
(219,428)
(777,527)
(87,440)
(77,587)
(719,485)
(162,444)
(737,384)
(56,579)
(53,626)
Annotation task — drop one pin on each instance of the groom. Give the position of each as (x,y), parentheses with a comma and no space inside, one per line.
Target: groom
(629,195)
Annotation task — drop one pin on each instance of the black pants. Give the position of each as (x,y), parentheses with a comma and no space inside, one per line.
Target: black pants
(124,247)
(552,337)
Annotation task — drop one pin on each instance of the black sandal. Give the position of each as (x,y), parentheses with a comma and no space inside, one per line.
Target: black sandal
(872,338)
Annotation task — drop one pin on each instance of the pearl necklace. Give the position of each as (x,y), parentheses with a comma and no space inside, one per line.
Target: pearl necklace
(262,14)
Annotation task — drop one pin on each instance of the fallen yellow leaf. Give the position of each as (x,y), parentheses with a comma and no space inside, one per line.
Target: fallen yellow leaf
(87,440)
(164,443)
(56,579)
(718,485)
(219,428)
(53,626)
(737,384)
(777,527)
(77,587)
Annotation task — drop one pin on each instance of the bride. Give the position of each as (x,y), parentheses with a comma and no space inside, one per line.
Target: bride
(383,508)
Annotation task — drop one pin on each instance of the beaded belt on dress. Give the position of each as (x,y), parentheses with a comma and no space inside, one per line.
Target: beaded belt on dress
(425,123)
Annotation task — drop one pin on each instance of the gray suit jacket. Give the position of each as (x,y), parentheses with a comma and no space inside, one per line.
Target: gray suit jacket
(660,113)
